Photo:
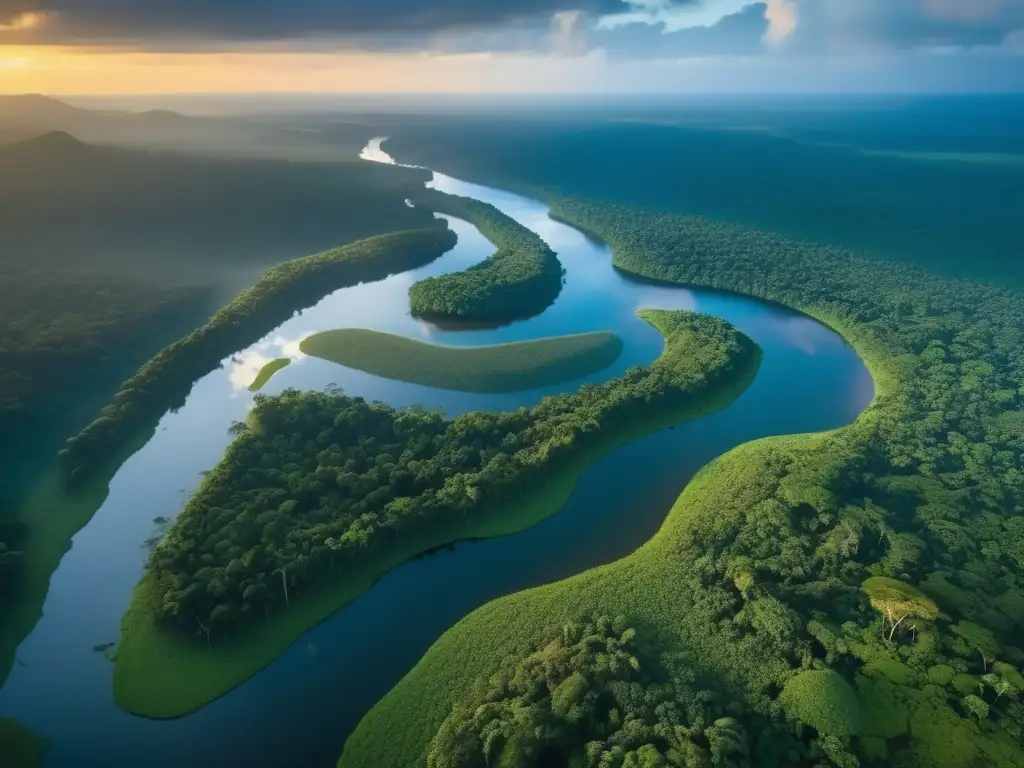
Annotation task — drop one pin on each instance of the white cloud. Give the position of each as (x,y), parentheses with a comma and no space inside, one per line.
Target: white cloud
(783,17)
(674,17)
(569,33)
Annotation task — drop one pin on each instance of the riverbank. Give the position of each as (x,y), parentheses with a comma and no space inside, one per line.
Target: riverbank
(167,378)
(511,367)
(164,674)
(648,588)
(769,513)
(522,279)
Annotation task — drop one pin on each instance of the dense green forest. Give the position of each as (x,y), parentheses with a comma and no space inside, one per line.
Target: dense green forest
(59,326)
(584,699)
(816,171)
(106,256)
(318,481)
(770,563)
(511,367)
(166,380)
(520,280)
(322,493)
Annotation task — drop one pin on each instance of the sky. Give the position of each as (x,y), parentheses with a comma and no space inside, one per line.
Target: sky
(498,46)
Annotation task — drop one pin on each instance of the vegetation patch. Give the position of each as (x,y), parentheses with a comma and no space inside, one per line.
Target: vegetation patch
(584,698)
(267,372)
(252,563)
(822,699)
(522,279)
(499,368)
(20,747)
(168,377)
(893,544)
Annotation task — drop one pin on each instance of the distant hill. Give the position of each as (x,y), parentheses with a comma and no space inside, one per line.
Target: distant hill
(51,142)
(28,115)
(65,201)
(36,110)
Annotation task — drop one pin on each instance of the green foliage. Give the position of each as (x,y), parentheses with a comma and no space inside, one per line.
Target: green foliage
(898,601)
(20,747)
(499,368)
(975,707)
(898,673)
(926,487)
(411,481)
(966,684)
(582,698)
(71,325)
(941,674)
(823,700)
(107,254)
(973,639)
(777,169)
(166,380)
(520,280)
(885,707)
(322,482)
(267,372)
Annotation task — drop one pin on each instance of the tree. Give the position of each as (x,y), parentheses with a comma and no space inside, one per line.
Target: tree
(823,700)
(898,601)
(978,639)
(975,706)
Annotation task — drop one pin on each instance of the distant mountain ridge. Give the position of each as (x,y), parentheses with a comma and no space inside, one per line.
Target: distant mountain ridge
(28,115)
(51,141)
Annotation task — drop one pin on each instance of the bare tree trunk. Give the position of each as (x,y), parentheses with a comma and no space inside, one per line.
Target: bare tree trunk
(894,626)
(284,583)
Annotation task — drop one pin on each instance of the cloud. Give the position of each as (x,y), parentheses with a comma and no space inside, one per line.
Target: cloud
(736,34)
(782,17)
(142,20)
(569,33)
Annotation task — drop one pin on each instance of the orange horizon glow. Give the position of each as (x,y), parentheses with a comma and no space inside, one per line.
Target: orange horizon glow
(80,70)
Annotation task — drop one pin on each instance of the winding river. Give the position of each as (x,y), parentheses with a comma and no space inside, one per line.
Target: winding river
(300,709)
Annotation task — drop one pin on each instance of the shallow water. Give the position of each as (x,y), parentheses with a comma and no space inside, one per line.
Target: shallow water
(300,709)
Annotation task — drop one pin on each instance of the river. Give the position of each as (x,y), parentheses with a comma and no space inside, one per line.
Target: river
(300,709)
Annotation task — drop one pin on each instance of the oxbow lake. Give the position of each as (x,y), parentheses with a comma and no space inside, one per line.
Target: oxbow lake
(300,709)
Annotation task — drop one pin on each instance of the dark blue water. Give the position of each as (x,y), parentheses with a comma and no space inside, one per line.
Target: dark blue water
(300,709)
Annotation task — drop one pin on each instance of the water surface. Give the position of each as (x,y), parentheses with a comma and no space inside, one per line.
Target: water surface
(300,709)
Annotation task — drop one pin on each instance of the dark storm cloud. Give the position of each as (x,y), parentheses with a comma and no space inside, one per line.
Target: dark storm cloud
(738,34)
(140,20)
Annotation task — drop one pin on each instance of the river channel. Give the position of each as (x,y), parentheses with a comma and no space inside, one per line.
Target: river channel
(299,710)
